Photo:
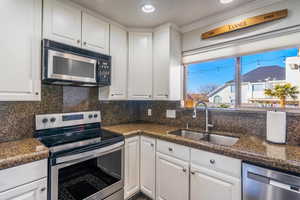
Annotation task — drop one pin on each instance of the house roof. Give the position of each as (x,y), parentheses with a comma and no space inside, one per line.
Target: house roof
(262,74)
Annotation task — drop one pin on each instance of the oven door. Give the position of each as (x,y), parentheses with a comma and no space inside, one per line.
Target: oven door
(70,67)
(97,174)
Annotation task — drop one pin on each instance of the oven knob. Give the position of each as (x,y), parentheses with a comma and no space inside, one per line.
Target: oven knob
(95,115)
(90,116)
(53,119)
(45,120)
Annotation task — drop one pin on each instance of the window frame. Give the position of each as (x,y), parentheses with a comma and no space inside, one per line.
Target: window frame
(238,74)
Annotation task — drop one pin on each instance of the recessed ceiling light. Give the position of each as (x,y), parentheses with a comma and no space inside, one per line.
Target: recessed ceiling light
(226,1)
(148,8)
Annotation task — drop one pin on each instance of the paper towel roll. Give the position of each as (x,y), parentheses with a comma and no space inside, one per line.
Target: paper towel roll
(276,127)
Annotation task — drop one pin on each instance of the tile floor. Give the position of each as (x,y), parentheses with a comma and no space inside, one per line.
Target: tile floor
(140,197)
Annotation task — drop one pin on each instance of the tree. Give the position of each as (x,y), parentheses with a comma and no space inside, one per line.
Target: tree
(208,88)
(282,92)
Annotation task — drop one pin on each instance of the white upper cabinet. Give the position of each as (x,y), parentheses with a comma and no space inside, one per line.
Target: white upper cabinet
(95,34)
(119,52)
(62,22)
(148,166)
(67,23)
(167,70)
(140,66)
(20,52)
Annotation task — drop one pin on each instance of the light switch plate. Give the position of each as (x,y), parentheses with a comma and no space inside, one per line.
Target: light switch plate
(171,114)
(149,112)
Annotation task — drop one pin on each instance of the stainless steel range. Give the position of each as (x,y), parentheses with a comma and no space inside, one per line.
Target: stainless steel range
(86,162)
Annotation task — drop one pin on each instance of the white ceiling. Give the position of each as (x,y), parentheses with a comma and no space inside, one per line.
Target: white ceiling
(180,12)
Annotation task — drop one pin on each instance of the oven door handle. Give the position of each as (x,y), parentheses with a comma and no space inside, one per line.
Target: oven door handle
(73,159)
(71,162)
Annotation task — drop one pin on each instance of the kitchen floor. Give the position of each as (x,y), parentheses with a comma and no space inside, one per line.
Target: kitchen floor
(140,197)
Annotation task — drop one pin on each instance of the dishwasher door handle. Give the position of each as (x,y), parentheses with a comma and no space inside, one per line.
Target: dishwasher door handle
(285,186)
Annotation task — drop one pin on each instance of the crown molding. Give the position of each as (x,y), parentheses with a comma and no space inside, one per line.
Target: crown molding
(209,20)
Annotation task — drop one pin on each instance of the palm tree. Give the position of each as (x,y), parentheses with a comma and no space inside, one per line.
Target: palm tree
(282,92)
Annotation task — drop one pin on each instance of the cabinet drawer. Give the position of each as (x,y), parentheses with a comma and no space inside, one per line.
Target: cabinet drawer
(20,175)
(172,149)
(217,162)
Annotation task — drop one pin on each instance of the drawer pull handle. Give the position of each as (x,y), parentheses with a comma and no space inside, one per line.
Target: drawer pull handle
(170,149)
(212,161)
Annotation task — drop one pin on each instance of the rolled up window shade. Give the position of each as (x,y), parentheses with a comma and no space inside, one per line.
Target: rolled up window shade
(265,42)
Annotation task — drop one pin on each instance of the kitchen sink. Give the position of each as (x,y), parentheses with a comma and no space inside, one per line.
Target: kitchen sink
(194,135)
(212,138)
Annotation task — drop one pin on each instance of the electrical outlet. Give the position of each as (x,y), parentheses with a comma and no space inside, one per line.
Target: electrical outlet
(171,114)
(149,112)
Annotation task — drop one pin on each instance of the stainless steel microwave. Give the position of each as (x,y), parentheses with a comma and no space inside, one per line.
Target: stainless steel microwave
(67,65)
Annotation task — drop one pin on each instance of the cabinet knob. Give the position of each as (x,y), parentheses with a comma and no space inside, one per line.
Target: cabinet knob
(170,149)
(193,173)
(152,145)
(78,41)
(84,43)
(184,170)
(212,161)
(43,189)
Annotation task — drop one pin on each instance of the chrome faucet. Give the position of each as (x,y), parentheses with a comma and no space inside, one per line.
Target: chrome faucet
(207,125)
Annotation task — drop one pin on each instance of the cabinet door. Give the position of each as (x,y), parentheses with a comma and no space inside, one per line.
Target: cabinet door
(62,22)
(32,191)
(172,178)
(148,166)
(20,57)
(118,51)
(95,34)
(140,66)
(207,184)
(161,64)
(132,166)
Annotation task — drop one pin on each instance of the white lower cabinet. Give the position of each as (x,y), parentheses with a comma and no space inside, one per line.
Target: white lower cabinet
(32,191)
(147,175)
(132,166)
(214,176)
(172,178)
(164,170)
(207,184)
(24,182)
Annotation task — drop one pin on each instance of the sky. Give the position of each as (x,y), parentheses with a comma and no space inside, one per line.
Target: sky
(218,72)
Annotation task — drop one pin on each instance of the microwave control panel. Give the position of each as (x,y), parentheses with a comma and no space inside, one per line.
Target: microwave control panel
(104,74)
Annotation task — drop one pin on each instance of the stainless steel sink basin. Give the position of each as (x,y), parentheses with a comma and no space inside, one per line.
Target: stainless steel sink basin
(212,138)
(194,135)
(222,140)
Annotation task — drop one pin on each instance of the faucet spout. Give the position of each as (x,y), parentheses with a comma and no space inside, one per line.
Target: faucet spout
(206,114)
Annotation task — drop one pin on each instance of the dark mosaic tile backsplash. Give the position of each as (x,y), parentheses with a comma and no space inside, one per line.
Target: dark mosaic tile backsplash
(236,121)
(17,118)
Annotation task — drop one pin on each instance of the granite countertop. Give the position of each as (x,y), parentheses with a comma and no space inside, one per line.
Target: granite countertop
(21,152)
(248,148)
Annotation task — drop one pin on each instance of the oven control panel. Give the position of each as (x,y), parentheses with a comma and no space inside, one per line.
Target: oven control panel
(48,121)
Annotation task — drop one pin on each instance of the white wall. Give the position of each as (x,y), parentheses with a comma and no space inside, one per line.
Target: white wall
(192,40)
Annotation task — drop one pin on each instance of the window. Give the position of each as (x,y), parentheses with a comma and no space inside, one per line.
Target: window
(215,81)
(212,82)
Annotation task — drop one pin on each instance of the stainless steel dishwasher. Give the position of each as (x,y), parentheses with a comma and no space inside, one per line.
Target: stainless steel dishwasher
(265,184)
